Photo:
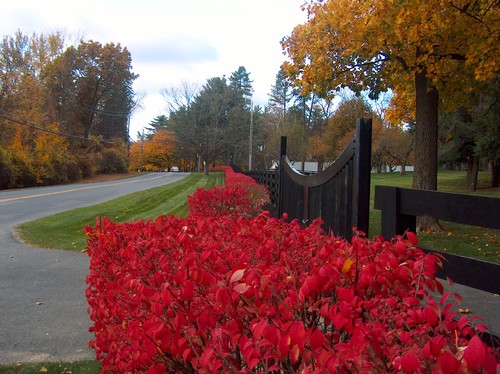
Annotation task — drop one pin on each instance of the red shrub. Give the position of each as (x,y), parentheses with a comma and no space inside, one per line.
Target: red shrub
(224,295)
(241,196)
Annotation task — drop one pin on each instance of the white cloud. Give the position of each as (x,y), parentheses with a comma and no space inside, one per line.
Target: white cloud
(175,49)
(171,40)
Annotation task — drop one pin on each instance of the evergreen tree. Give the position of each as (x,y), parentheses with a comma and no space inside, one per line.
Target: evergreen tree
(157,124)
(240,82)
(280,98)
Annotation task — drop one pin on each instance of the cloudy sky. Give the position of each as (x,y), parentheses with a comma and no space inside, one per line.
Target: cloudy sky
(171,40)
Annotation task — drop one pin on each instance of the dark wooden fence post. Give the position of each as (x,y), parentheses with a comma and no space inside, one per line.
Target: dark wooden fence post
(393,221)
(281,174)
(362,173)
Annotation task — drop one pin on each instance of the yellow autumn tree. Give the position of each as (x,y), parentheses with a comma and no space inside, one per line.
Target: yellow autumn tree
(51,156)
(428,52)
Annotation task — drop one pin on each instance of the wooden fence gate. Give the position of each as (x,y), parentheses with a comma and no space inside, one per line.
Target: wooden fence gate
(339,195)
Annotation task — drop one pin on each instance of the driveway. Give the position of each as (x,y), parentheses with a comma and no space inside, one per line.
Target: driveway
(43,310)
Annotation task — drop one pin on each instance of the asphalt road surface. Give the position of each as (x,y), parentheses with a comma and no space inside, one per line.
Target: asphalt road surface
(43,310)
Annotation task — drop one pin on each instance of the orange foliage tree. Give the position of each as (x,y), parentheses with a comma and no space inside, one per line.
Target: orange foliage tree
(155,154)
(426,51)
(62,110)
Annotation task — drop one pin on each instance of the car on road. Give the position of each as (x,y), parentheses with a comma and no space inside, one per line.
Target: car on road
(174,168)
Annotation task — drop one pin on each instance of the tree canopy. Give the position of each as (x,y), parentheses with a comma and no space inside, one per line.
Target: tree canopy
(63,109)
(213,123)
(428,52)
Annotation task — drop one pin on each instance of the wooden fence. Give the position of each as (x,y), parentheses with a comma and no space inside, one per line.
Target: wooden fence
(270,179)
(401,206)
(339,195)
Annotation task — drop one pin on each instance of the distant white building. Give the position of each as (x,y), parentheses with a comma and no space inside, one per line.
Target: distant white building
(310,167)
(396,169)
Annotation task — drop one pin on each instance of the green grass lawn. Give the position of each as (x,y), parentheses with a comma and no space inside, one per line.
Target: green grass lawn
(66,230)
(465,240)
(77,367)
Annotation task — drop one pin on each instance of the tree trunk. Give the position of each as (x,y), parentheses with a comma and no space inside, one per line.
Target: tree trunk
(426,135)
(495,173)
(205,167)
(426,144)
(472,171)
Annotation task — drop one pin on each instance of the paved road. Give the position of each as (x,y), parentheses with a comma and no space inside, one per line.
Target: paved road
(43,310)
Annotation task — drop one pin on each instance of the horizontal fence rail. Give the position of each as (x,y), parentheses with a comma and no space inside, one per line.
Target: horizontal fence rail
(401,206)
(339,195)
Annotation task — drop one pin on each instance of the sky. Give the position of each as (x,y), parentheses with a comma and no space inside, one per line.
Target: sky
(171,41)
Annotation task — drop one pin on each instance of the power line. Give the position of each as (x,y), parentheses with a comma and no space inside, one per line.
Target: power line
(36,126)
(103,112)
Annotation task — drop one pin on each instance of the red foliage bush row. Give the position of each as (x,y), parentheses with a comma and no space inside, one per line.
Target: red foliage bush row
(210,293)
(233,178)
(241,196)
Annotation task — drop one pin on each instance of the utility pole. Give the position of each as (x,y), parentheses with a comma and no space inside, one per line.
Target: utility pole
(250,140)
(142,148)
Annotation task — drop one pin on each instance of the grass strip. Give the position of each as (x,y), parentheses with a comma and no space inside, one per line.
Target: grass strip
(77,367)
(66,230)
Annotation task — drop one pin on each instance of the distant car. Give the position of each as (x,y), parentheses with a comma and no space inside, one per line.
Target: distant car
(174,168)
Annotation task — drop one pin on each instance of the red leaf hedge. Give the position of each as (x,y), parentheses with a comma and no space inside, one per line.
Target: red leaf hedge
(218,294)
(241,196)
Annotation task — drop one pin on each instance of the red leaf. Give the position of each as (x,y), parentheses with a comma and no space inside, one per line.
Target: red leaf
(253,363)
(316,339)
(409,362)
(150,348)
(188,290)
(298,333)
(457,297)
(206,358)
(241,287)
(295,354)
(448,363)
(431,315)
(284,345)
(258,329)
(412,237)
(474,353)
